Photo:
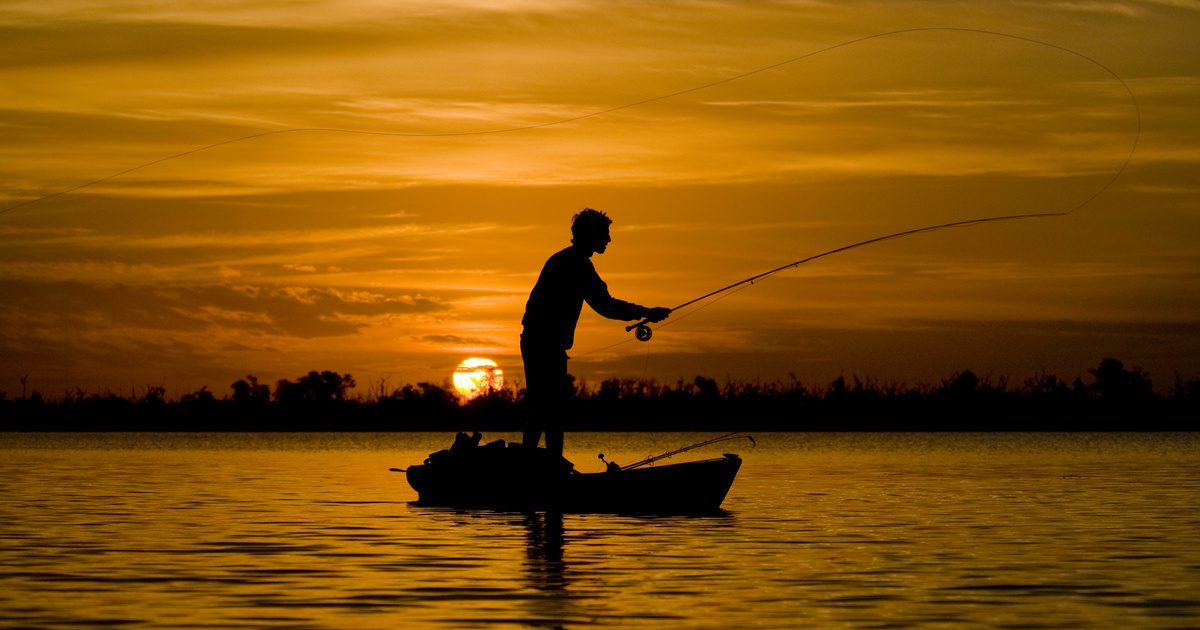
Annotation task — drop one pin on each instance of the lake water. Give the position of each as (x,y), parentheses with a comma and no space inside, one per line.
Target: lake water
(821,530)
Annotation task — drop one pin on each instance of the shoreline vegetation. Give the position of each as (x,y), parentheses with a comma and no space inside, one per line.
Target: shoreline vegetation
(1112,398)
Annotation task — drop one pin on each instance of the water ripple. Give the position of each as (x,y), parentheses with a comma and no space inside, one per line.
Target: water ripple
(835,530)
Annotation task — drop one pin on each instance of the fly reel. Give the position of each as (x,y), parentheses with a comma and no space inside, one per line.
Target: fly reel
(640,330)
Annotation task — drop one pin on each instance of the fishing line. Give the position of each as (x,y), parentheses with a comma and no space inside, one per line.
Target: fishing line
(585,116)
(643,331)
(646,364)
(671,322)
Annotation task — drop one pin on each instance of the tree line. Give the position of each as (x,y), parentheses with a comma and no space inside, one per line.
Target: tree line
(1112,398)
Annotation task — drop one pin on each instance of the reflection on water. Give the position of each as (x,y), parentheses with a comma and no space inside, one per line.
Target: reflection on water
(820,530)
(545,550)
(544,567)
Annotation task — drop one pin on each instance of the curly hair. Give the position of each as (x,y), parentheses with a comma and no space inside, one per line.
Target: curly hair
(588,223)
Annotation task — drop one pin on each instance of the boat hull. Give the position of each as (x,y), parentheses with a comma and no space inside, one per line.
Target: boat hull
(535,481)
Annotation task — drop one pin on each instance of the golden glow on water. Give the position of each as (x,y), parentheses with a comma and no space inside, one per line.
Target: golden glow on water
(821,530)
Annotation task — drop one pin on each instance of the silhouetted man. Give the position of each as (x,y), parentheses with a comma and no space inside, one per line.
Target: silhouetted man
(568,279)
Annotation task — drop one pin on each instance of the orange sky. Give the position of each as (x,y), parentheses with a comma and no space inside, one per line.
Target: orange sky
(397,257)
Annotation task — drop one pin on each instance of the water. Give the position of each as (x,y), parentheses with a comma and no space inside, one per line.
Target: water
(826,530)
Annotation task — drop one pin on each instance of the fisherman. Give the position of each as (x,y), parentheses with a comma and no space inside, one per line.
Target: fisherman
(568,279)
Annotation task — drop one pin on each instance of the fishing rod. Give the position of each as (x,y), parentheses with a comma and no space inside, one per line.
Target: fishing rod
(643,332)
(736,435)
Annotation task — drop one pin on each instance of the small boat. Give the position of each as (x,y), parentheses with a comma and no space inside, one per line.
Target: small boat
(513,477)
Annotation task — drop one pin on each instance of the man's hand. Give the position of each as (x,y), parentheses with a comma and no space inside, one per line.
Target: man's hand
(657,314)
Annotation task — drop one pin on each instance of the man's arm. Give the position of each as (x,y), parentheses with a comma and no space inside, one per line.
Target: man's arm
(597,296)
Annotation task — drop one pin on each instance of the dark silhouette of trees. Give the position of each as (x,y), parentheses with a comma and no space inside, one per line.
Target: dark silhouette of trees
(200,397)
(321,388)
(155,396)
(1114,398)
(706,388)
(1115,383)
(249,391)
(1186,390)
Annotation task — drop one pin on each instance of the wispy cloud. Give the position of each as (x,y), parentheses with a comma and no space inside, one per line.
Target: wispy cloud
(295,311)
(459,340)
(280,238)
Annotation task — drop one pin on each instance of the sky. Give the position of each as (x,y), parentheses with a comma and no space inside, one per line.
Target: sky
(408,241)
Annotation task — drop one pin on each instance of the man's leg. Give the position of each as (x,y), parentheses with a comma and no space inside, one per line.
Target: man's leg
(554,440)
(560,396)
(531,435)
(538,376)
(547,386)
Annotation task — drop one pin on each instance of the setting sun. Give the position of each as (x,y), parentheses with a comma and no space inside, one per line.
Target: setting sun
(477,376)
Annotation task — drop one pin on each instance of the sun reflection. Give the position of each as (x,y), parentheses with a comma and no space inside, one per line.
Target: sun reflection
(476,376)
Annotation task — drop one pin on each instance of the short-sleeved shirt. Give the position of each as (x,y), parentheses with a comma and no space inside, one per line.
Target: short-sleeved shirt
(568,279)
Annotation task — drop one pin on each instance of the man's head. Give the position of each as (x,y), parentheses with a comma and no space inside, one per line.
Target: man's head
(589,229)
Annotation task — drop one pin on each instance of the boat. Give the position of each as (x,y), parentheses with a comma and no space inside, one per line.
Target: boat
(512,477)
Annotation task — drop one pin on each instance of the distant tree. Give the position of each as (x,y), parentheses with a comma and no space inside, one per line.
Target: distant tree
(961,385)
(1184,399)
(425,395)
(76,396)
(862,390)
(315,387)
(1114,383)
(610,390)
(837,388)
(155,396)
(200,397)
(1186,390)
(249,391)
(497,401)
(706,388)
(437,396)
(1046,386)
(332,385)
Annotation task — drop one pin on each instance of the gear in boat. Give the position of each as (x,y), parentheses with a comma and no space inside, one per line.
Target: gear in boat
(510,476)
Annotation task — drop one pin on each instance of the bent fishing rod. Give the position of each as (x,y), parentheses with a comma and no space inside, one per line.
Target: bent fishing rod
(642,329)
(643,332)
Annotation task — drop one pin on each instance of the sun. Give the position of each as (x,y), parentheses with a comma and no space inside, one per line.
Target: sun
(476,376)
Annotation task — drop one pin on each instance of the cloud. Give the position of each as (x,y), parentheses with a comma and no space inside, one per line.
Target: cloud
(296,13)
(280,238)
(292,311)
(1125,9)
(1074,328)
(458,340)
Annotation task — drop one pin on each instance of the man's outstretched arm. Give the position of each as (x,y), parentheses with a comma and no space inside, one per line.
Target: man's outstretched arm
(605,304)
